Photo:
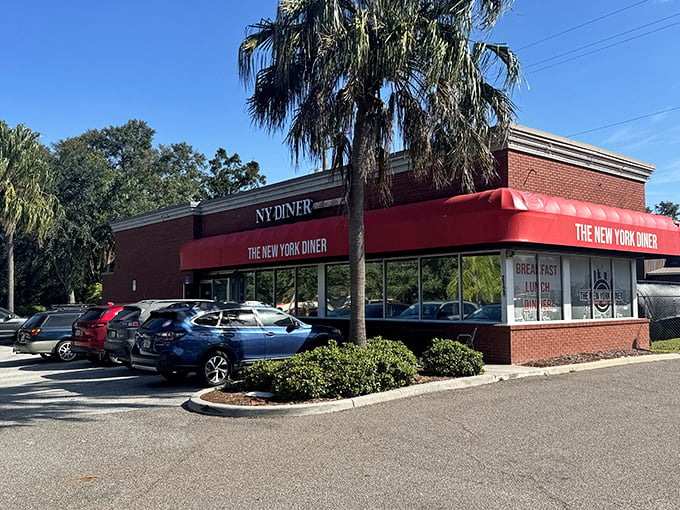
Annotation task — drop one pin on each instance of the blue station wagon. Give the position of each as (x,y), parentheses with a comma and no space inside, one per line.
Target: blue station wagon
(215,343)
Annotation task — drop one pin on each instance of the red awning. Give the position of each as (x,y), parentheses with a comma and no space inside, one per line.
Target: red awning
(502,215)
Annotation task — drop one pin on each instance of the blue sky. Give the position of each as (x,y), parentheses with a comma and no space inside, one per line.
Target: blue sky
(75,65)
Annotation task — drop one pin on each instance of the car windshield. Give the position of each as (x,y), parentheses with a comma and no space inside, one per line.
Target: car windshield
(93,314)
(160,320)
(128,313)
(34,322)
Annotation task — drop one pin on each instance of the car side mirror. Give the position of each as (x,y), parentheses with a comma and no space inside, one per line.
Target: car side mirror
(292,327)
(9,317)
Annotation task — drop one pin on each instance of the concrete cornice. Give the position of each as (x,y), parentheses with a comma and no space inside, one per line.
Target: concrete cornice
(166,214)
(546,145)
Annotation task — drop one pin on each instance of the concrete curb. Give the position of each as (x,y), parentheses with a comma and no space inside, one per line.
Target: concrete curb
(198,405)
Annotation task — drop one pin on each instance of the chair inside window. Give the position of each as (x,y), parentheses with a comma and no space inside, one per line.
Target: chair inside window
(467,338)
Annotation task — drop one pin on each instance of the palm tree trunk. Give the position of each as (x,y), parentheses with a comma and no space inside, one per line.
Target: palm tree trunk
(10,272)
(357,256)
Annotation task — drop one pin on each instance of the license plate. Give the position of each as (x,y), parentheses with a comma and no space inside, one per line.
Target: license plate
(146,344)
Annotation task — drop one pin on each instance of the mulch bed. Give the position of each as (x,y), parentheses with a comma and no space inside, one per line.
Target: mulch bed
(234,394)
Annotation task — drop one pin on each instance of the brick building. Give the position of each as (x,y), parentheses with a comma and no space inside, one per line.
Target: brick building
(539,262)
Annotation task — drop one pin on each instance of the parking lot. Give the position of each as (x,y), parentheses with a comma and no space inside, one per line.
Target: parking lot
(73,436)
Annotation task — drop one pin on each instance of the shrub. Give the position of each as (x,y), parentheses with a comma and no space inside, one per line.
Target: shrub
(260,375)
(334,371)
(451,359)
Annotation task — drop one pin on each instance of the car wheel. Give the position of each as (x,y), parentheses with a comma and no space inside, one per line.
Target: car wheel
(63,351)
(98,360)
(174,375)
(215,368)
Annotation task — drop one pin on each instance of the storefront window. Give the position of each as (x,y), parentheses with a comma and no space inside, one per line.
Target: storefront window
(440,290)
(374,290)
(220,290)
(481,276)
(550,287)
(337,290)
(580,288)
(249,278)
(285,290)
(307,292)
(402,286)
(264,287)
(623,293)
(602,288)
(526,287)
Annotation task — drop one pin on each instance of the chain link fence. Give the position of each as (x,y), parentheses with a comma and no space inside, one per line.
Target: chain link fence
(660,303)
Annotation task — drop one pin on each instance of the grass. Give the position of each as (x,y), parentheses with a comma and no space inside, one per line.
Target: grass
(662,346)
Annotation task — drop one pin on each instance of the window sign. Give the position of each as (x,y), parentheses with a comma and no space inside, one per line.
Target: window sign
(525,284)
(550,287)
(602,288)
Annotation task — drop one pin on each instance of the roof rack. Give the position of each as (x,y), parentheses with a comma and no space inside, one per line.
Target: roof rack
(70,306)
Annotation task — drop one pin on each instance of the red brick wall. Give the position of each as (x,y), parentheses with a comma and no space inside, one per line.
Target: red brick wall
(149,255)
(516,344)
(538,341)
(575,183)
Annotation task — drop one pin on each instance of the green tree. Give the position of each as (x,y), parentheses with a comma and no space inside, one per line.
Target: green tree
(229,175)
(666,208)
(25,206)
(345,73)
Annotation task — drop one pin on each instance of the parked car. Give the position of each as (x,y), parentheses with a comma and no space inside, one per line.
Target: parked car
(120,331)
(89,332)
(438,310)
(49,334)
(489,313)
(9,324)
(215,343)
(372,311)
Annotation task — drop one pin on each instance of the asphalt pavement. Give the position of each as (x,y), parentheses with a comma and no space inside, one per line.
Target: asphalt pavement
(72,436)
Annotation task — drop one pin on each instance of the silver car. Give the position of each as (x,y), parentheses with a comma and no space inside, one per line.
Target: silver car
(9,324)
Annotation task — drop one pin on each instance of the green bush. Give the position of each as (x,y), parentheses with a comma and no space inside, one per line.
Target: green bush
(28,310)
(334,371)
(451,359)
(260,375)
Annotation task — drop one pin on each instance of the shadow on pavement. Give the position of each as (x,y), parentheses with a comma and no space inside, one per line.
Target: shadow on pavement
(37,389)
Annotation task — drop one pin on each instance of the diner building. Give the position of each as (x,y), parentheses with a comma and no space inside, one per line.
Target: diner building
(539,262)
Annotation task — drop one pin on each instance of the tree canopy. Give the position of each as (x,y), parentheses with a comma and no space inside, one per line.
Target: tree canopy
(353,75)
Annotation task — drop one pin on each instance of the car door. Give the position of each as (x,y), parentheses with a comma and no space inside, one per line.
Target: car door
(284,335)
(9,323)
(240,329)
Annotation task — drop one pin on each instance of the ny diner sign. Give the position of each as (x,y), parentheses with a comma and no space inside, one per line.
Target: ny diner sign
(621,237)
(279,212)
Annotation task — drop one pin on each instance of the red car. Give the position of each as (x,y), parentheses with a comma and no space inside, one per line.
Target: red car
(89,332)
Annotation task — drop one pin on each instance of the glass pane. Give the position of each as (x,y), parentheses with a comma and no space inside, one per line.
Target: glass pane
(285,290)
(220,290)
(623,291)
(337,291)
(265,287)
(307,292)
(402,286)
(209,319)
(249,279)
(440,290)
(205,289)
(274,318)
(374,290)
(482,281)
(525,287)
(239,318)
(602,288)
(580,288)
(550,287)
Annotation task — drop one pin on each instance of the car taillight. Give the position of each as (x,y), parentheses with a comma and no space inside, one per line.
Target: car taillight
(170,336)
(100,325)
(34,331)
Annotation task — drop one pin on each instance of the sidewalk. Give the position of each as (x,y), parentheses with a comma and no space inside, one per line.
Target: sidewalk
(492,374)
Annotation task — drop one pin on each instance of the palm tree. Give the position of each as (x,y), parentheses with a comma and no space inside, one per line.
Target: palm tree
(349,74)
(24,205)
